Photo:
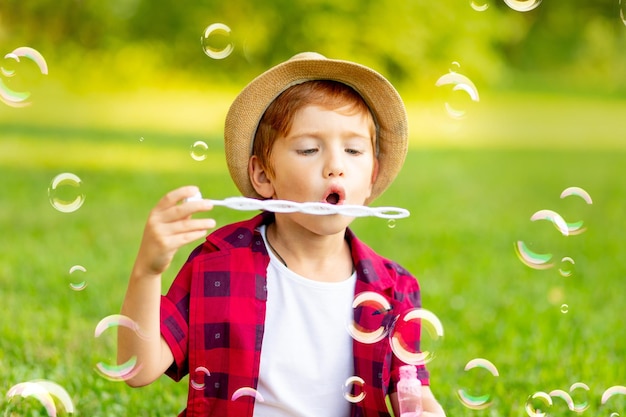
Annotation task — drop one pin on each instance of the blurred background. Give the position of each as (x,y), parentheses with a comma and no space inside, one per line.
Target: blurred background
(517,123)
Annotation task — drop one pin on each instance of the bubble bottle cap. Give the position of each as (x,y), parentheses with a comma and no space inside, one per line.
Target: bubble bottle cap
(408,372)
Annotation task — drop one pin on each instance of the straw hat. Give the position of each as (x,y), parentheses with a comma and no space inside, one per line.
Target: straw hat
(382,98)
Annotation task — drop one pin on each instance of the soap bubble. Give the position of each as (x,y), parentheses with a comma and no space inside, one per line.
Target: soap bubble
(576,228)
(538,404)
(554,217)
(247,392)
(613,401)
(78,285)
(566,266)
(44,391)
(409,342)
(469,397)
(523,5)
(479,6)
(199,150)
(564,308)
(128,369)
(532,259)
(370,317)
(8,95)
(455,105)
(579,392)
(200,374)
(353,389)
(391,223)
(65,192)
(216,41)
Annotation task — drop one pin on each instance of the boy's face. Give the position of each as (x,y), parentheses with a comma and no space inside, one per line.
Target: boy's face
(327,156)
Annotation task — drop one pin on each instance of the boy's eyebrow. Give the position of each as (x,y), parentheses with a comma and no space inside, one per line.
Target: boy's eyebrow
(317,133)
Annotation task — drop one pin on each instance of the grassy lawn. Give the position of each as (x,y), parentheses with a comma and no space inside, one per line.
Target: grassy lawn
(470,201)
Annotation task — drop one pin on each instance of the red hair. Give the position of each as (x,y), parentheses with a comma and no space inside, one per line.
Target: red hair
(279,115)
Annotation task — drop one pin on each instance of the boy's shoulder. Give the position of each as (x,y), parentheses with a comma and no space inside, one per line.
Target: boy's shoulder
(378,268)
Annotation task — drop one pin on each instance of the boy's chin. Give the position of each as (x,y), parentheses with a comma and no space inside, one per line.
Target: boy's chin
(331,223)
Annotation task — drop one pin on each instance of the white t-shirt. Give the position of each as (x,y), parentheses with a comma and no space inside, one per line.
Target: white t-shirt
(306,356)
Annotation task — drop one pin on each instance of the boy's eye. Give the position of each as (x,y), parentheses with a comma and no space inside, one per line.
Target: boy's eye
(353,151)
(310,151)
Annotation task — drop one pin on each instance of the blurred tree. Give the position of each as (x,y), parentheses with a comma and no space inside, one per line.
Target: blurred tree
(413,42)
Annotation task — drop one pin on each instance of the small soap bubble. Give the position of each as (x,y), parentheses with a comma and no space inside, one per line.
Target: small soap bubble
(613,402)
(415,336)
(353,389)
(456,104)
(199,377)
(615,392)
(247,392)
(371,315)
(479,6)
(391,223)
(564,308)
(77,284)
(532,259)
(523,5)
(216,41)
(538,404)
(199,150)
(577,191)
(141,139)
(566,268)
(576,228)
(579,392)
(65,193)
(128,369)
(478,397)
(19,98)
(9,65)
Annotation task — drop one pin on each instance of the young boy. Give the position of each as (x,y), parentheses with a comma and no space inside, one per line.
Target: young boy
(258,314)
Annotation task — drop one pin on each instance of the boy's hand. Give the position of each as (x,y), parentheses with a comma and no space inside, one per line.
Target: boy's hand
(169,227)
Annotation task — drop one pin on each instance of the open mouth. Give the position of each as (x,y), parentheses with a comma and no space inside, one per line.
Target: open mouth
(333,198)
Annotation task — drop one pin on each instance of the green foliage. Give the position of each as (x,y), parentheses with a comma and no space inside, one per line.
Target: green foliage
(114,43)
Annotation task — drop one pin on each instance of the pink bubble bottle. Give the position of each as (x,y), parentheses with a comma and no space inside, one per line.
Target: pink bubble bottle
(409,392)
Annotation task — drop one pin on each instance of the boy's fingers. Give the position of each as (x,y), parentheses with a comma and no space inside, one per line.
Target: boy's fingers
(175,196)
(191,225)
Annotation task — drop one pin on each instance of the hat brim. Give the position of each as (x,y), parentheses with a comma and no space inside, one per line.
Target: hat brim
(382,98)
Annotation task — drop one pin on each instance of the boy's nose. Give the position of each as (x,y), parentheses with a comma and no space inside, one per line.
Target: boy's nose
(334,166)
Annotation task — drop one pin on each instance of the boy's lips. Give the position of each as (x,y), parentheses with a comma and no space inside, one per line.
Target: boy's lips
(335,194)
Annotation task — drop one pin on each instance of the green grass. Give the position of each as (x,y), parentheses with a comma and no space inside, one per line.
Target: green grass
(468,207)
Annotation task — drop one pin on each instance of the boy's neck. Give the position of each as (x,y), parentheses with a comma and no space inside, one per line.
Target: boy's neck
(319,258)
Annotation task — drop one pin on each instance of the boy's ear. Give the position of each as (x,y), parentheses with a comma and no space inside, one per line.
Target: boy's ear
(375,171)
(258,177)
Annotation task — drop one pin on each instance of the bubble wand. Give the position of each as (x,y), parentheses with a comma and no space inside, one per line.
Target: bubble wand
(317,208)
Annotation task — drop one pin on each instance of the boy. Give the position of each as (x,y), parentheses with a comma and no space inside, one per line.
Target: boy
(257,315)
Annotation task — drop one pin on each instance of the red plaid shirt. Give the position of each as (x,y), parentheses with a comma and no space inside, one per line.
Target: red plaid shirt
(213,317)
